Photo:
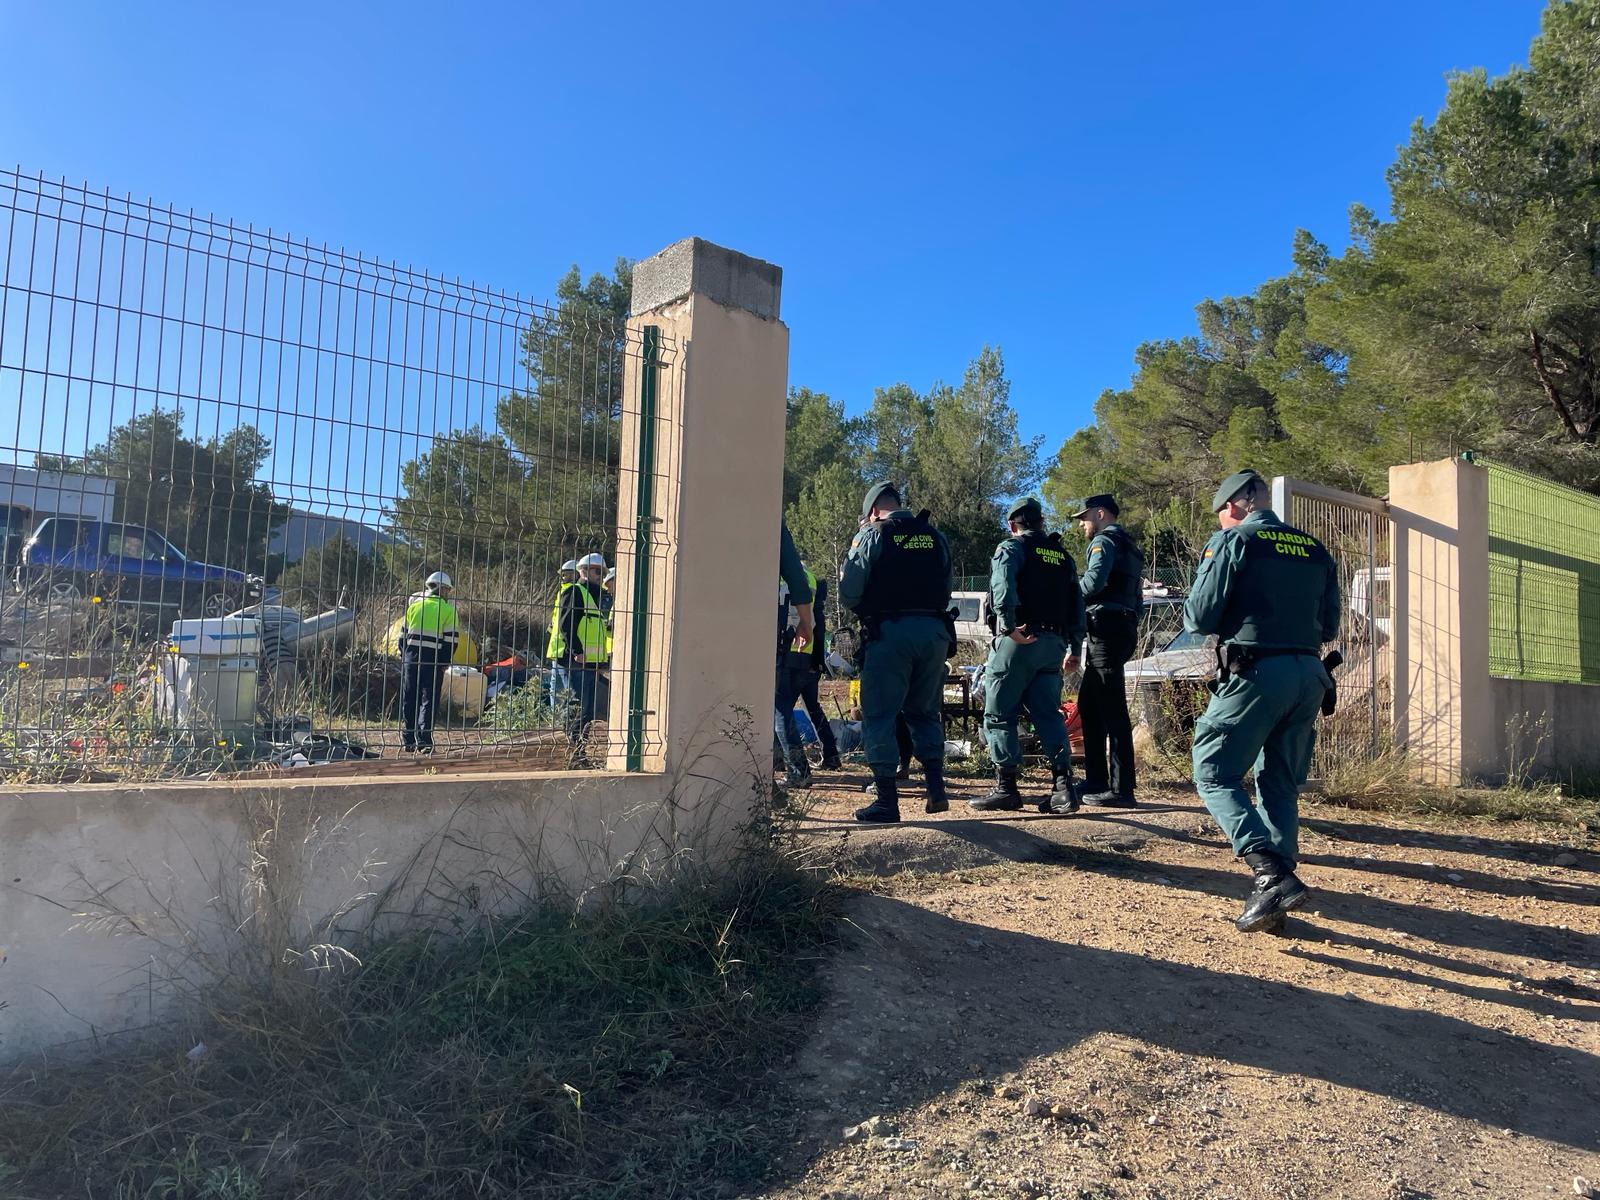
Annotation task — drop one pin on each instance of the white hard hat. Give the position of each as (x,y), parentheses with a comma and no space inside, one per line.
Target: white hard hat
(570,565)
(439,581)
(593,560)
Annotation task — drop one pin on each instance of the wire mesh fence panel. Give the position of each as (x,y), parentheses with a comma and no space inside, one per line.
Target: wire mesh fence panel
(1355,529)
(1544,579)
(267,504)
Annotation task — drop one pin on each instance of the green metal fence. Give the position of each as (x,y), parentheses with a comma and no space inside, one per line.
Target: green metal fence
(1544,579)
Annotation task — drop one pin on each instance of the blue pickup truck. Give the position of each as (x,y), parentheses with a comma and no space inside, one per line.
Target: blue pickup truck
(74,558)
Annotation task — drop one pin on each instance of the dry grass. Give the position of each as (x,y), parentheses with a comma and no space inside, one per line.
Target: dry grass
(1385,784)
(551,1054)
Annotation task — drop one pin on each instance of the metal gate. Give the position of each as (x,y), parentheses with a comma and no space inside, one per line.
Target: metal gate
(1355,529)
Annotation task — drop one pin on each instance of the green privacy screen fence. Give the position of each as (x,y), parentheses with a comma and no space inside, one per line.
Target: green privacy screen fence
(1544,579)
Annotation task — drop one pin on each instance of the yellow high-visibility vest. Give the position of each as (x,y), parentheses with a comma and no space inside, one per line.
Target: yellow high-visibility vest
(556,648)
(594,638)
(593,635)
(431,624)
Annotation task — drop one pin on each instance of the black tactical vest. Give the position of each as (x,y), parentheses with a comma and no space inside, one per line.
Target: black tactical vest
(1277,598)
(1045,582)
(910,574)
(1125,587)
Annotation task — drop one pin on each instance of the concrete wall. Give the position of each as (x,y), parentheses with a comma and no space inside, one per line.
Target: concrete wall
(114,898)
(1456,722)
(1547,730)
(1440,585)
(112,893)
(719,505)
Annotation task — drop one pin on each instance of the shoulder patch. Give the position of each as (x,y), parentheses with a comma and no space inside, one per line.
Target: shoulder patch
(1096,549)
(1210,553)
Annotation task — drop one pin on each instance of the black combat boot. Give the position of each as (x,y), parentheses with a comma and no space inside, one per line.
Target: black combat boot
(1063,797)
(885,807)
(933,774)
(1278,891)
(1110,799)
(1003,796)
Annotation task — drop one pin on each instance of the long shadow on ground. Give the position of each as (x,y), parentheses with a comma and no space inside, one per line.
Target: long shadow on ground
(972,1001)
(966,1000)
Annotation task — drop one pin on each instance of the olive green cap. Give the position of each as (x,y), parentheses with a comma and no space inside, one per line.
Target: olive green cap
(1232,486)
(1101,500)
(874,492)
(1026,504)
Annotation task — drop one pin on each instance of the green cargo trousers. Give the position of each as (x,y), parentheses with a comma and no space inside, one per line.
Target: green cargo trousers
(1028,678)
(1263,718)
(904,672)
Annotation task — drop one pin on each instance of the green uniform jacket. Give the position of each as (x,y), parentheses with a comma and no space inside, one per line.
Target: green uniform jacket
(1003,568)
(790,569)
(1099,564)
(863,555)
(1264,583)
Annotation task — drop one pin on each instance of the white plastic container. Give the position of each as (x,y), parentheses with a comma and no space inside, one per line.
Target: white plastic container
(209,695)
(464,690)
(208,682)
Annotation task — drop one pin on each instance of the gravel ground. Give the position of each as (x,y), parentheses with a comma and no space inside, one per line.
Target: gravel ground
(1061,1007)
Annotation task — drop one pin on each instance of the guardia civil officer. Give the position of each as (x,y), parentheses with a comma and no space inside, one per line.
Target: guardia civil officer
(794,575)
(1038,610)
(799,677)
(428,635)
(897,579)
(1112,583)
(1270,593)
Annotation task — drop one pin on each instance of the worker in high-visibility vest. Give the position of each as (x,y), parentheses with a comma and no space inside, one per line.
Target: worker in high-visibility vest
(581,623)
(428,635)
(609,603)
(555,651)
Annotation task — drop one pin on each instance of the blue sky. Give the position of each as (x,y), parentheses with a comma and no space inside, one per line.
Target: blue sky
(1063,180)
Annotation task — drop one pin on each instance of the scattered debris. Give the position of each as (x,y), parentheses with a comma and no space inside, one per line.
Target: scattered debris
(872,1127)
(315,749)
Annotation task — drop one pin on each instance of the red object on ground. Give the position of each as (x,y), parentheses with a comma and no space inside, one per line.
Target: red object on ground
(1069,710)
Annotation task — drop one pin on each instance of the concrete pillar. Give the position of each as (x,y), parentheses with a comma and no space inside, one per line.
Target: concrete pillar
(717,499)
(1443,704)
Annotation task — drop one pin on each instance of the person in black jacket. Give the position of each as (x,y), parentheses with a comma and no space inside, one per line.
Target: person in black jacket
(799,674)
(1112,582)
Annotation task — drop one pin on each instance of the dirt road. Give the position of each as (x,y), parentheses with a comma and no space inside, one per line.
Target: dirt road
(1049,1007)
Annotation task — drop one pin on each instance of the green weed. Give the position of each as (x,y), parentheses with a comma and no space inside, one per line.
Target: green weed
(548,1055)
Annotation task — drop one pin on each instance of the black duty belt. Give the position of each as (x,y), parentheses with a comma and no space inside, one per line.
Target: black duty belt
(1270,651)
(1235,659)
(1057,629)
